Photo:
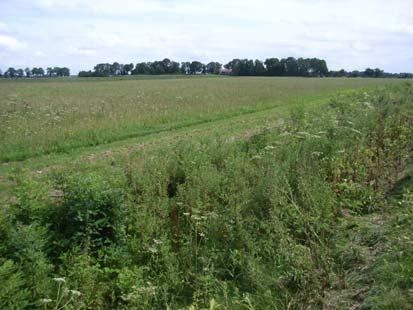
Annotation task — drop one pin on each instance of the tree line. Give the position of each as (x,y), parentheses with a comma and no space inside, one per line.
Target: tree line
(290,66)
(240,67)
(35,72)
(369,72)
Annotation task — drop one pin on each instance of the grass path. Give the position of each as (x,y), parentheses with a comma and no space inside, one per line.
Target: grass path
(231,126)
(226,125)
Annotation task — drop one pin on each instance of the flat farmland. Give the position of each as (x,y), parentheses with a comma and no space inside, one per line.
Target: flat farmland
(58,115)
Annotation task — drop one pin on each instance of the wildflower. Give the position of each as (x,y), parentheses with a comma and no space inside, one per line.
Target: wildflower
(59,280)
(75,293)
(196,217)
(45,300)
(157,241)
(153,250)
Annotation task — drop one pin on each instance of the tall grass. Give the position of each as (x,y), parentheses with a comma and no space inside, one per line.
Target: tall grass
(58,115)
(241,225)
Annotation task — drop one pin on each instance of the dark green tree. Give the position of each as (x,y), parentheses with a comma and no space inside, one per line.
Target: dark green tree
(274,67)
(28,72)
(259,68)
(10,73)
(19,73)
(196,67)
(213,68)
(185,67)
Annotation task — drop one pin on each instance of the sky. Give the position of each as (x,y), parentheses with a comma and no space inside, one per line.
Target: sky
(349,34)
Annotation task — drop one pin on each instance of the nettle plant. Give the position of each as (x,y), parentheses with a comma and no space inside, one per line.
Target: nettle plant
(88,216)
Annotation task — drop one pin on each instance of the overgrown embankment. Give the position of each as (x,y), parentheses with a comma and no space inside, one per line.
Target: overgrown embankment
(253,224)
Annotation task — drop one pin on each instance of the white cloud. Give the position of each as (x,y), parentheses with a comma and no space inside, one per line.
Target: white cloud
(361,46)
(82,51)
(10,43)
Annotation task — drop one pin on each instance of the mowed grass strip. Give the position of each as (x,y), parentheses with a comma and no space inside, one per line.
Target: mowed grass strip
(57,116)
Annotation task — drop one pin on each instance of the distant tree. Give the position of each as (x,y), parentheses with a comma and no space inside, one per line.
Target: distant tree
(49,71)
(248,67)
(235,66)
(174,67)
(340,73)
(166,63)
(185,68)
(213,68)
(274,67)
(355,73)
(303,67)
(291,66)
(115,69)
(322,67)
(242,67)
(86,74)
(19,73)
(232,63)
(259,68)
(157,67)
(103,69)
(141,68)
(37,72)
(64,71)
(1,73)
(369,72)
(10,73)
(127,69)
(196,67)
(28,72)
(405,75)
(378,72)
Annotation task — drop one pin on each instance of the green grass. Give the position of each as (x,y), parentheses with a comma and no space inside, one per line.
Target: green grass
(282,193)
(59,115)
(376,254)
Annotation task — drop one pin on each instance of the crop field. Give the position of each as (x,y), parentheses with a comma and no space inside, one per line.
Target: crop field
(50,116)
(206,193)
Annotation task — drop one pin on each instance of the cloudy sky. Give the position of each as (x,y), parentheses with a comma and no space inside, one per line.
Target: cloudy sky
(349,34)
